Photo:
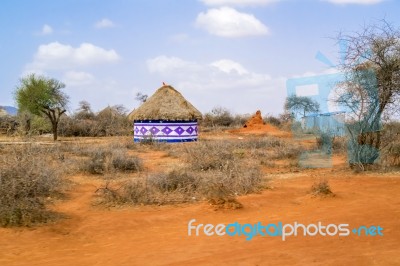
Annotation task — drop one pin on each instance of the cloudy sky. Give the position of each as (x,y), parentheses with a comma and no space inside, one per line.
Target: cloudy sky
(236,54)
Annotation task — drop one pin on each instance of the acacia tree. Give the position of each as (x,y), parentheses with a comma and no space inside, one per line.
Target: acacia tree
(375,47)
(371,90)
(42,96)
(302,104)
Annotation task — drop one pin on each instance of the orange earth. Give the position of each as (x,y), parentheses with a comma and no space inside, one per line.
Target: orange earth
(158,235)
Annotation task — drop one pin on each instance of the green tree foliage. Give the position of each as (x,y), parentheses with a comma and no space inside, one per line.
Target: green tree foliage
(42,96)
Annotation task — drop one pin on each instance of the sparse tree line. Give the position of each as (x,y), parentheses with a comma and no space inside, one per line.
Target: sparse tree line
(111,121)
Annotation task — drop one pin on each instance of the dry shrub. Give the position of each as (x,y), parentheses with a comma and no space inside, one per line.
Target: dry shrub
(275,121)
(111,121)
(179,180)
(99,162)
(136,191)
(183,185)
(390,146)
(221,162)
(321,188)
(339,144)
(218,195)
(271,148)
(323,139)
(262,143)
(287,152)
(392,154)
(124,163)
(213,173)
(107,160)
(29,176)
(203,156)
(216,171)
(218,116)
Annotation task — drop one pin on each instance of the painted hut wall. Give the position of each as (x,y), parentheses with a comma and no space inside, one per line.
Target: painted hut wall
(165,131)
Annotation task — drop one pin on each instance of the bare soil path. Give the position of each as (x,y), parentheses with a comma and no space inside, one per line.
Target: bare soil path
(150,235)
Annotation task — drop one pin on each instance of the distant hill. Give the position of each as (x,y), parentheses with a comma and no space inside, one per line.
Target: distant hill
(10,110)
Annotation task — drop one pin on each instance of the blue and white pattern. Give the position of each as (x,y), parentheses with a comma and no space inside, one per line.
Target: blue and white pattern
(166,131)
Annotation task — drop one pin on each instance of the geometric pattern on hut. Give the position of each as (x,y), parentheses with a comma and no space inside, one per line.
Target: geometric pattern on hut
(165,131)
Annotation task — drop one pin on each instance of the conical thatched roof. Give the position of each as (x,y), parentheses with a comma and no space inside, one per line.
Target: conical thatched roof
(3,112)
(166,104)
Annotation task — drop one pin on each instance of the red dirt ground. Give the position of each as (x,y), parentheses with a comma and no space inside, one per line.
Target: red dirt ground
(266,129)
(157,235)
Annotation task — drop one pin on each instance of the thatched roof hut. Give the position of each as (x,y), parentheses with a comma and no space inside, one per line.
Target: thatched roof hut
(166,116)
(166,104)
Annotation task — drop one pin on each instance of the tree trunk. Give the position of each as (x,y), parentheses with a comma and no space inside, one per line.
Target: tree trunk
(27,126)
(55,130)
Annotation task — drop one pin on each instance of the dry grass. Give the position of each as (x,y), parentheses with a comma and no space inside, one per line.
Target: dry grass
(213,172)
(390,152)
(217,171)
(104,160)
(30,176)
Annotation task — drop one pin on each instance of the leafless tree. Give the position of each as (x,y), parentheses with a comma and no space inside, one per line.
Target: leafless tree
(371,90)
(141,97)
(375,48)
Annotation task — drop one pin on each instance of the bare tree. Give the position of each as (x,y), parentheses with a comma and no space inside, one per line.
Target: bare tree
(84,111)
(141,97)
(376,48)
(371,63)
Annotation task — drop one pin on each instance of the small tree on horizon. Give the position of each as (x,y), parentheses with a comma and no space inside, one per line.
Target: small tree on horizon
(141,97)
(302,104)
(84,111)
(42,96)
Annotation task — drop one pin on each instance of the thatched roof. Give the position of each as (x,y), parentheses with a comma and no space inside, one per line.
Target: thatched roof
(108,111)
(3,112)
(166,104)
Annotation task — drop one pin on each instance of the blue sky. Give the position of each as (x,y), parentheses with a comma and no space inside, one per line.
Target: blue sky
(236,54)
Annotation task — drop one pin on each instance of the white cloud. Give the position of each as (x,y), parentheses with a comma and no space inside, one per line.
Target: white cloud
(228,66)
(167,65)
(228,22)
(225,82)
(238,2)
(46,30)
(77,78)
(220,74)
(56,55)
(359,2)
(104,23)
